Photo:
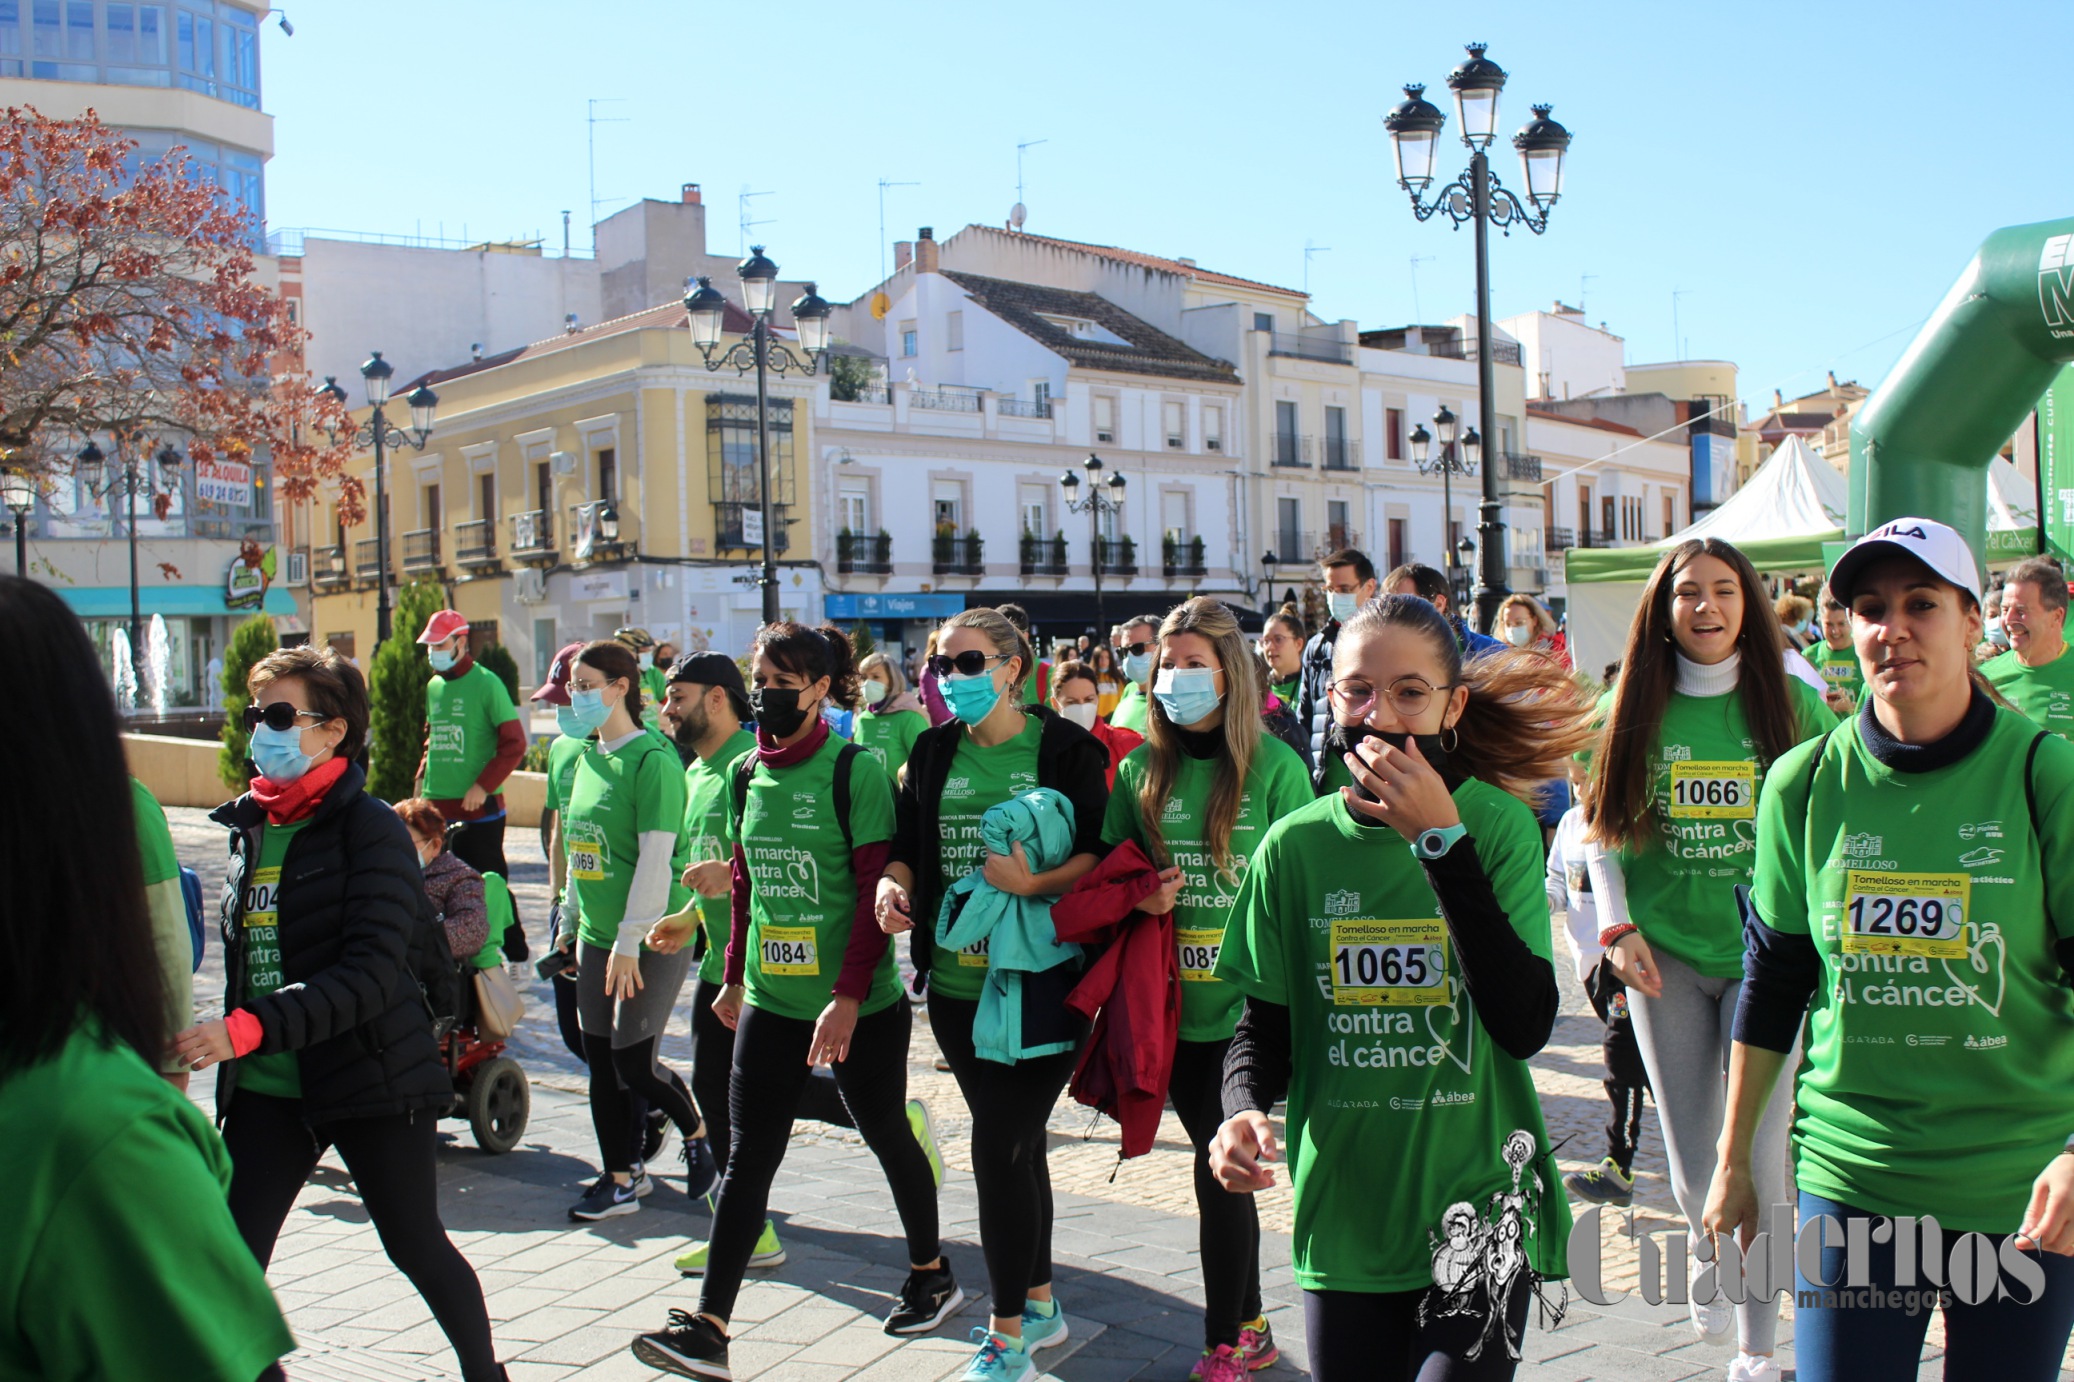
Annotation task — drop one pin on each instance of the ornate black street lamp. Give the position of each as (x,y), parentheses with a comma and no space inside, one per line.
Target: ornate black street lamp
(1094,506)
(376,432)
(130,474)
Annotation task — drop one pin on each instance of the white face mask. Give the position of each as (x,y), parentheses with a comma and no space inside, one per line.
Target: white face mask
(872,690)
(1082,714)
(1519,635)
(1342,605)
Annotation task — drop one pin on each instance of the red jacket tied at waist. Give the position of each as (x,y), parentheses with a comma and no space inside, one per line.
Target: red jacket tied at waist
(1133,993)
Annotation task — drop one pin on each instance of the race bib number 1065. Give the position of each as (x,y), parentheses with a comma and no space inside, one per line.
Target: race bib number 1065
(1390,963)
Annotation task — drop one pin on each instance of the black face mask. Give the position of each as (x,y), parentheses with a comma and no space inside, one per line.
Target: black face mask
(1429,749)
(777,710)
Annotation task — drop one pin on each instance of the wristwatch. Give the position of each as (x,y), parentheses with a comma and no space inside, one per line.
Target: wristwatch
(1431,844)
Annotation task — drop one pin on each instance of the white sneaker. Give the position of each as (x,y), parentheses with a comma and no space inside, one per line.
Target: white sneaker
(1754,1367)
(1713,1320)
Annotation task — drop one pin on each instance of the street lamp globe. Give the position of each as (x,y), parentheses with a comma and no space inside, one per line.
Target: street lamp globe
(810,316)
(1070,483)
(707,307)
(1444,425)
(1472,449)
(1116,488)
(17,490)
(1541,147)
(332,391)
(168,466)
(424,405)
(1421,445)
(1476,84)
(377,373)
(90,462)
(759,282)
(1414,128)
(608,523)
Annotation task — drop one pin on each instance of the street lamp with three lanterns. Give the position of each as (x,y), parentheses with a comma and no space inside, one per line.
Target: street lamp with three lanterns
(377,432)
(1094,506)
(130,474)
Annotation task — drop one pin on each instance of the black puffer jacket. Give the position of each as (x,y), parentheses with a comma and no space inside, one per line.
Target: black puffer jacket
(351,893)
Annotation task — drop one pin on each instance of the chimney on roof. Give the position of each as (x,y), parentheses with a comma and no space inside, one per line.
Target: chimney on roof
(1184,259)
(903,254)
(926,251)
(691,194)
(1832,381)
(1778,399)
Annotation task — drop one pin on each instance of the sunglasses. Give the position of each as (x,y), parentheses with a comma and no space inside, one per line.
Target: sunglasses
(278,717)
(1137,649)
(969,663)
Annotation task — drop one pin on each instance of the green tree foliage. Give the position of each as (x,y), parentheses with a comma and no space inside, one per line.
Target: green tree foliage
(848,377)
(396,688)
(498,659)
(249,642)
(862,641)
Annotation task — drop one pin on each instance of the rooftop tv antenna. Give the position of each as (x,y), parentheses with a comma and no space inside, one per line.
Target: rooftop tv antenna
(1418,315)
(884,183)
(747,223)
(1310,249)
(593,120)
(1583,280)
(1019,213)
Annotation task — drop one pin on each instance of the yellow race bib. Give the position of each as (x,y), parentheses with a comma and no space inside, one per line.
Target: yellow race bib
(1198,953)
(976,955)
(1906,913)
(262,896)
(788,950)
(587,854)
(1390,963)
(1714,791)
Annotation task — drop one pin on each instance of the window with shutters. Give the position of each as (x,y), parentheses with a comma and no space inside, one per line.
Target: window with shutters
(1175,415)
(954,331)
(1213,429)
(1105,418)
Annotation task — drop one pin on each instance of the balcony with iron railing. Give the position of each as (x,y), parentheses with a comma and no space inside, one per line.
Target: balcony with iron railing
(731,524)
(421,551)
(1018,407)
(1117,556)
(1294,549)
(1502,352)
(1328,349)
(943,401)
(328,569)
(533,535)
(1043,556)
(1341,454)
(1336,538)
(1291,449)
(1522,467)
(367,559)
(1181,557)
(958,556)
(863,554)
(475,542)
(1559,539)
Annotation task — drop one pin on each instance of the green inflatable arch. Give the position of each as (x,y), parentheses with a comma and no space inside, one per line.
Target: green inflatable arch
(1922,443)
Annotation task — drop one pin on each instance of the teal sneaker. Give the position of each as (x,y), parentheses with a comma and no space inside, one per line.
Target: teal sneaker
(1042,1330)
(769,1252)
(925,1133)
(998,1360)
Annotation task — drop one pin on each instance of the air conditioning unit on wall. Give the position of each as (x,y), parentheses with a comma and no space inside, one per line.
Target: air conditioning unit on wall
(564,462)
(530,586)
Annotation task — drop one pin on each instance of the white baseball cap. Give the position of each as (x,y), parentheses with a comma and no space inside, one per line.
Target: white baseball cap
(1936,545)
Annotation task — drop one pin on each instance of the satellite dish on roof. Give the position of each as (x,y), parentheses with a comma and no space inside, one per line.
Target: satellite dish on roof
(1017,214)
(880,305)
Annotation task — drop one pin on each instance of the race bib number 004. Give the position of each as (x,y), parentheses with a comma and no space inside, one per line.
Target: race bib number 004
(1198,952)
(260,895)
(1906,913)
(1714,791)
(788,950)
(1390,963)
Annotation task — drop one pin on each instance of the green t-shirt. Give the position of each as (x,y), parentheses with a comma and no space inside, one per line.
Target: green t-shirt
(614,799)
(123,1181)
(462,715)
(1285,691)
(1841,671)
(1703,776)
(496,899)
(1131,709)
(154,836)
(561,770)
(1276,785)
(979,780)
(1940,1040)
(1403,1115)
(802,888)
(278,1073)
(890,736)
(707,785)
(654,682)
(2046,694)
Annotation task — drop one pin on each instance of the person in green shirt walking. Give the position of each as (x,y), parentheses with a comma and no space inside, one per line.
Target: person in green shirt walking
(1139,650)
(1197,797)
(171,940)
(641,644)
(1838,660)
(2036,675)
(1703,706)
(1392,944)
(808,981)
(1913,897)
(891,717)
(1281,646)
(474,740)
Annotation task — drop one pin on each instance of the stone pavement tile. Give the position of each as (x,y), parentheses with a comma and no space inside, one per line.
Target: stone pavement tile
(1634,1335)
(622,1366)
(1145,1257)
(804,1324)
(551,1322)
(537,1372)
(852,1345)
(577,1348)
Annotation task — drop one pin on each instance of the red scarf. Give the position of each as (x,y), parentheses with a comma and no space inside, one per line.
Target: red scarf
(289,802)
(768,750)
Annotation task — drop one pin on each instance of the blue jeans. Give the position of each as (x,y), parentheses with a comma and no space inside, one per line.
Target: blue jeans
(1998,1340)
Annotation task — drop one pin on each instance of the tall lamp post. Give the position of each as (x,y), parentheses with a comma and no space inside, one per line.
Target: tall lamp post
(1477,197)
(129,474)
(1458,455)
(1094,506)
(18,494)
(377,432)
(1268,562)
(707,307)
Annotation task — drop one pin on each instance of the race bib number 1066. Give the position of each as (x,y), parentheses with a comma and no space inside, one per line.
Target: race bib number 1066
(1714,791)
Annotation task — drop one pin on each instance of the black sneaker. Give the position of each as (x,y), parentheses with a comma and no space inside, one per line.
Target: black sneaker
(657,1136)
(925,1298)
(693,1346)
(701,1173)
(605,1199)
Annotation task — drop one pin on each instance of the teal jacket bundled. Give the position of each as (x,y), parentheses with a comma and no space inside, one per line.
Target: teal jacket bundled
(1018,930)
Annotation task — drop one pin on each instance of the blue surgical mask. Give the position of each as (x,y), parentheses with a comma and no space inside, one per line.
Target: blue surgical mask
(567,722)
(278,755)
(1137,666)
(646,661)
(1342,605)
(1187,694)
(441,660)
(971,699)
(588,709)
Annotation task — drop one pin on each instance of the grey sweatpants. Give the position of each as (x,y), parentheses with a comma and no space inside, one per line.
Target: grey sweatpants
(1685,1037)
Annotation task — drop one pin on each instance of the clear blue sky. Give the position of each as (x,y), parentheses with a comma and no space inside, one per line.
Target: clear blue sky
(1812,176)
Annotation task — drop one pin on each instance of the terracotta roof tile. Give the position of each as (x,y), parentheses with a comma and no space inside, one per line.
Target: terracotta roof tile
(1025,307)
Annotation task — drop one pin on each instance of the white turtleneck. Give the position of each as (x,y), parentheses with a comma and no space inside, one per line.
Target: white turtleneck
(1698,679)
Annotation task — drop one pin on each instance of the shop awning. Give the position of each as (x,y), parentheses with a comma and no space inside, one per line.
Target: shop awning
(113,601)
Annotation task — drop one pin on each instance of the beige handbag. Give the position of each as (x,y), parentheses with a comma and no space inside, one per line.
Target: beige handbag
(498,1003)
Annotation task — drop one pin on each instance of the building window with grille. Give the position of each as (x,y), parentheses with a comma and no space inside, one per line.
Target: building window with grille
(1289,531)
(732,476)
(1393,433)
(608,473)
(1213,429)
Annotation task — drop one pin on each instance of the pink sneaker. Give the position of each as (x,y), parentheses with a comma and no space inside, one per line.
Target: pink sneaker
(1221,1364)
(1257,1347)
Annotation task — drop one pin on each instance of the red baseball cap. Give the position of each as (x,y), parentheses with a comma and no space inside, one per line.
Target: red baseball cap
(555,690)
(444,625)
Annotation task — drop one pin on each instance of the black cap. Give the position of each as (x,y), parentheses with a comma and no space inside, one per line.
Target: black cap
(714,669)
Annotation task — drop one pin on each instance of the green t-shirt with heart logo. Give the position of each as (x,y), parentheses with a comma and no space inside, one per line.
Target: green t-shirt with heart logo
(616,797)
(462,715)
(1703,776)
(980,779)
(1415,1145)
(802,886)
(889,736)
(2046,694)
(278,1073)
(1276,785)
(1942,1012)
(707,782)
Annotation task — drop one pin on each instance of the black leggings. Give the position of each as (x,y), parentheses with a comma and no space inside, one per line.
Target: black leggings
(712,1065)
(392,1162)
(564,986)
(616,1074)
(1361,1336)
(1627,1079)
(1228,1224)
(770,1069)
(1010,1105)
(480,845)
